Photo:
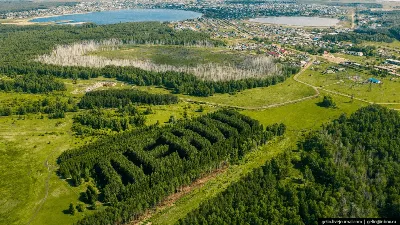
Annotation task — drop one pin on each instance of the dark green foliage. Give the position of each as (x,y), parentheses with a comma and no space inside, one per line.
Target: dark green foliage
(350,169)
(81,207)
(54,107)
(98,121)
(115,98)
(135,170)
(358,37)
(327,102)
(32,84)
(72,209)
(90,196)
(359,154)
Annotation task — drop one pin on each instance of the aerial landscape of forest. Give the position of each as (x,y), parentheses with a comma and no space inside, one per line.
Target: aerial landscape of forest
(199,112)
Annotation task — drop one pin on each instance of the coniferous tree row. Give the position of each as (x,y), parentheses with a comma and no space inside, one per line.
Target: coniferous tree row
(32,84)
(114,98)
(135,170)
(349,168)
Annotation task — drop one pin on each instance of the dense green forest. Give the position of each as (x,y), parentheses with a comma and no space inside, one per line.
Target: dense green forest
(183,83)
(136,169)
(97,121)
(32,84)
(115,98)
(358,36)
(349,168)
(55,107)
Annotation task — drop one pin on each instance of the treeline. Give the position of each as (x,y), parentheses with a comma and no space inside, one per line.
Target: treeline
(356,4)
(183,83)
(98,121)
(385,18)
(54,107)
(178,82)
(358,36)
(114,98)
(135,170)
(32,84)
(348,169)
(366,50)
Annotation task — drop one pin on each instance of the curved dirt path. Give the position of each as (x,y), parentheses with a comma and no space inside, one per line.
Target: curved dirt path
(296,78)
(317,93)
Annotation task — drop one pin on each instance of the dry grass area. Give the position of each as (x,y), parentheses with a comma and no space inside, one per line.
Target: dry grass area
(334,59)
(79,55)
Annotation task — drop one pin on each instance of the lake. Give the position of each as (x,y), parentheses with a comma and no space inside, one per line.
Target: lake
(298,21)
(122,16)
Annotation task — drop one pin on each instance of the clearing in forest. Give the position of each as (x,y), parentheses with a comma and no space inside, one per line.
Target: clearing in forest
(205,62)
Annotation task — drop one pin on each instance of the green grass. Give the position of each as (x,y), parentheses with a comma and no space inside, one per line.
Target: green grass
(256,97)
(359,59)
(384,93)
(305,115)
(394,44)
(25,148)
(174,55)
(162,113)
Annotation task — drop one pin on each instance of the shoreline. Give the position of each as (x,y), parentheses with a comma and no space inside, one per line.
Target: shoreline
(27,21)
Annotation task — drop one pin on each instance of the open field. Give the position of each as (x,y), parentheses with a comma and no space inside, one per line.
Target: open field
(256,97)
(29,148)
(359,59)
(174,55)
(341,82)
(394,44)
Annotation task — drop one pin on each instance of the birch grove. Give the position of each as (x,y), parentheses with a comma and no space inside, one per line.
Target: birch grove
(78,54)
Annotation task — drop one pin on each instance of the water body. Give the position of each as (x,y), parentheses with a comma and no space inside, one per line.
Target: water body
(122,16)
(298,21)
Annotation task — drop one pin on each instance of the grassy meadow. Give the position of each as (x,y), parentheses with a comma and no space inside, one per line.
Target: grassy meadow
(174,55)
